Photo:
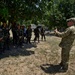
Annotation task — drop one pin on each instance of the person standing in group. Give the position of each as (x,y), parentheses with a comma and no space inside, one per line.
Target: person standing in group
(20,36)
(36,33)
(22,31)
(28,34)
(43,34)
(1,40)
(25,33)
(14,31)
(6,37)
(66,43)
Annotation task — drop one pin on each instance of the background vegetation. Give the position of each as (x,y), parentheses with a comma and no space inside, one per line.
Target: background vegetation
(52,13)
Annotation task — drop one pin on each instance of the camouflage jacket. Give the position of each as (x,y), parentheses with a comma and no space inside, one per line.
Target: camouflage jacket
(67,37)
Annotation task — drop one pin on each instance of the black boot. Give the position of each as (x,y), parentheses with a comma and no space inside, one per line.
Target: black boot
(63,67)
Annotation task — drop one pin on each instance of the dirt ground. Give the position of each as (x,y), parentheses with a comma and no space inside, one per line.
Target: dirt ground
(30,59)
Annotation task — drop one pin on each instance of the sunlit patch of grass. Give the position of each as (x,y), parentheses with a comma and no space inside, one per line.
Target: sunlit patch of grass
(47,52)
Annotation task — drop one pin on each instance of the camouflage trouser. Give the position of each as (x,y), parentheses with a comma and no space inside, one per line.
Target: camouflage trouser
(65,56)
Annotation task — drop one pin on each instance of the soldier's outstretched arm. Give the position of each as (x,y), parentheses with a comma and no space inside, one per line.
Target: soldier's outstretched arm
(63,34)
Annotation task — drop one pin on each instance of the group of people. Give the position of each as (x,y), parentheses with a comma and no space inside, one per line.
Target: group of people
(20,33)
(4,37)
(39,31)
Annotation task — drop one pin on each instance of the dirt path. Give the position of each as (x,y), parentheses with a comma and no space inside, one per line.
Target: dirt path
(28,61)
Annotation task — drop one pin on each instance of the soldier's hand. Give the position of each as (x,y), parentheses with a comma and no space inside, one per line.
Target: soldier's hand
(56,30)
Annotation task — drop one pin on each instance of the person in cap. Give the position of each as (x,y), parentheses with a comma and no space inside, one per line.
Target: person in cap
(66,43)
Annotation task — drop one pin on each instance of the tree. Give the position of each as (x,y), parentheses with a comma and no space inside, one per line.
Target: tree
(52,13)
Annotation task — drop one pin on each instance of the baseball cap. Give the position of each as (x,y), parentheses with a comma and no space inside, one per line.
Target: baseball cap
(71,19)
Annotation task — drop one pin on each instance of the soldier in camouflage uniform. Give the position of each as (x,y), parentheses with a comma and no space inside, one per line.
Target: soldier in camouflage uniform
(66,43)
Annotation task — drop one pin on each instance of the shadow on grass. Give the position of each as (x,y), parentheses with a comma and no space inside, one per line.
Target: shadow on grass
(18,51)
(51,69)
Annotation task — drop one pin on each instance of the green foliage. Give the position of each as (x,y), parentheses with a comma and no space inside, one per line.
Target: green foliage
(3,11)
(58,11)
(52,13)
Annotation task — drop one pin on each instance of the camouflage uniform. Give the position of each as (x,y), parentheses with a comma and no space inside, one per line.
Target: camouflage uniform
(66,44)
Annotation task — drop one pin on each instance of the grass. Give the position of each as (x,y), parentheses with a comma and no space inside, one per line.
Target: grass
(46,52)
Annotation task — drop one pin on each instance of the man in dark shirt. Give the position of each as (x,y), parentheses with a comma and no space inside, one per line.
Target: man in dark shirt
(36,33)
(28,34)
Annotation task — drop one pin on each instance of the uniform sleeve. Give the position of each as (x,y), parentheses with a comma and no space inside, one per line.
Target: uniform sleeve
(64,34)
